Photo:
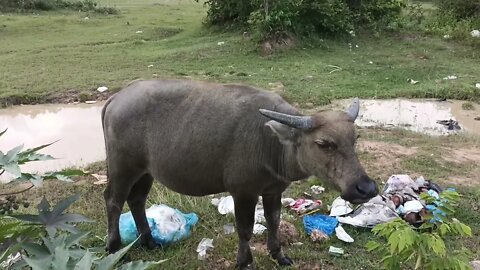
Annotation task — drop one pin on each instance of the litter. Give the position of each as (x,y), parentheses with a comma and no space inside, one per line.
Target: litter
(317,189)
(167,225)
(287,201)
(450,77)
(102,89)
(414,206)
(340,207)
(450,124)
(377,210)
(226,205)
(203,246)
(343,235)
(11,260)
(90,101)
(220,43)
(101,179)
(297,244)
(446,36)
(301,206)
(288,233)
(412,81)
(150,66)
(318,236)
(477,85)
(475,33)
(86,18)
(258,229)
(370,62)
(139,32)
(336,251)
(319,222)
(228,228)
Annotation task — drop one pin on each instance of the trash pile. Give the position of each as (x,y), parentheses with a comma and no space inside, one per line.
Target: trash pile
(400,198)
(167,225)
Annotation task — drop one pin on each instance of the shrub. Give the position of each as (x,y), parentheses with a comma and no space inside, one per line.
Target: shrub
(459,9)
(406,247)
(304,17)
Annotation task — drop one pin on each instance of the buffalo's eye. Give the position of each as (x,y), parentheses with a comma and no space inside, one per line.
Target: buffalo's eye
(326,144)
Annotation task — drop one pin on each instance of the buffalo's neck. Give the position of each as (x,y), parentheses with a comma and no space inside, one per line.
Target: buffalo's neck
(285,166)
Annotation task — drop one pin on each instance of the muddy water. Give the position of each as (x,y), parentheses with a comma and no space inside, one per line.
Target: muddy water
(415,115)
(77,127)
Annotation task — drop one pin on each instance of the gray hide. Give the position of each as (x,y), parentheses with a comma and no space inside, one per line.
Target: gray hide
(200,138)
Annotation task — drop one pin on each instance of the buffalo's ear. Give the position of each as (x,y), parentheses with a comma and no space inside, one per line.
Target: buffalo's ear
(287,135)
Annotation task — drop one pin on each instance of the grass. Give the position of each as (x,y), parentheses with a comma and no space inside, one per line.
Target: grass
(47,55)
(309,255)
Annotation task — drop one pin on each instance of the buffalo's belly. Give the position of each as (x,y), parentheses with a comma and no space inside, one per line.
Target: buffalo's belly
(193,186)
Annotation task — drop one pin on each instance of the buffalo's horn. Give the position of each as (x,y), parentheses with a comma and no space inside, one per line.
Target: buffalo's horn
(300,122)
(353,109)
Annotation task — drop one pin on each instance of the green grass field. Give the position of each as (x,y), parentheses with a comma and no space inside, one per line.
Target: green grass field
(46,56)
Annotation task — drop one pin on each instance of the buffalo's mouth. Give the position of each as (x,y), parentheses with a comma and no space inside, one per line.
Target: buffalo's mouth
(361,191)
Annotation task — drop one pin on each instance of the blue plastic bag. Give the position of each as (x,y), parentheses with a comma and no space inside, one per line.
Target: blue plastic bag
(326,224)
(167,225)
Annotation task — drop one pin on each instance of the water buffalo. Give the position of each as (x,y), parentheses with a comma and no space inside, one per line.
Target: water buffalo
(200,138)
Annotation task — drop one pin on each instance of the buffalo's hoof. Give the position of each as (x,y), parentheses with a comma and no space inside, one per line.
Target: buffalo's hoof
(285,261)
(113,246)
(148,242)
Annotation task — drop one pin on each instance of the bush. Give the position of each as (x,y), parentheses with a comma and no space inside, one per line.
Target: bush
(304,17)
(459,9)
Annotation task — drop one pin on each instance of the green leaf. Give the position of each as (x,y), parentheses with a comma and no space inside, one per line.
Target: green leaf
(109,262)
(394,240)
(73,239)
(24,156)
(63,205)
(466,229)
(13,154)
(437,245)
(60,258)
(41,263)
(372,245)
(13,169)
(85,262)
(34,249)
(444,229)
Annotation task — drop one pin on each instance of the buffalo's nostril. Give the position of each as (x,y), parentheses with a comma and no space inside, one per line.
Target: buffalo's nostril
(367,188)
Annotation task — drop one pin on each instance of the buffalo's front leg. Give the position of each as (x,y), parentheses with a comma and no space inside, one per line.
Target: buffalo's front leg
(272,205)
(245,218)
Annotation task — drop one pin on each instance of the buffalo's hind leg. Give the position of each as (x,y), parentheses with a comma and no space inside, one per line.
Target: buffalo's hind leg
(121,179)
(272,205)
(136,201)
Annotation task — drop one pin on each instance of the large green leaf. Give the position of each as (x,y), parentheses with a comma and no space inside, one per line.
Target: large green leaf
(74,239)
(85,262)
(54,220)
(31,155)
(13,169)
(12,155)
(34,249)
(60,258)
(109,262)
(40,263)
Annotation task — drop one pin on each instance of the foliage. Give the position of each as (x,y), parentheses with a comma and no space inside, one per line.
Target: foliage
(304,17)
(56,251)
(77,5)
(11,161)
(424,248)
(459,9)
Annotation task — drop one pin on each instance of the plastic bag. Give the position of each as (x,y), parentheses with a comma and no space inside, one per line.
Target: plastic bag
(319,222)
(167,225)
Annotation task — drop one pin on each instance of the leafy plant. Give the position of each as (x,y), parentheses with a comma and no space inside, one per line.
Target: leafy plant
(424,248)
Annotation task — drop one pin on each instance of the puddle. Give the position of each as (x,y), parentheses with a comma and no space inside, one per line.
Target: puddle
(77,127)
(415,115)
